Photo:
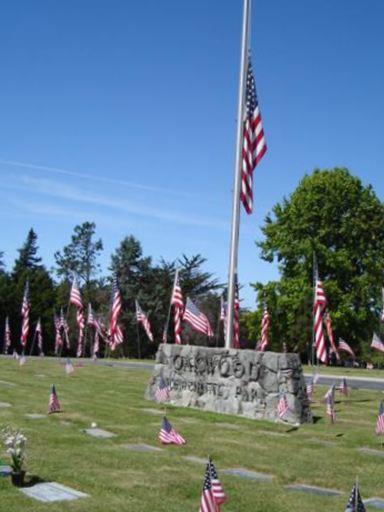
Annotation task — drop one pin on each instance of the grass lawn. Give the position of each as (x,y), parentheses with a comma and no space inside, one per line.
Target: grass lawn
(120,480)
(346,372)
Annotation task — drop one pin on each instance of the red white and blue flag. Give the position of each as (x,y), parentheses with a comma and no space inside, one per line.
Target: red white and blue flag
(343,345)
(282,406)
(162,391)
(168,434)
(178,306)
(264,330)
(7,336)
(377,344)
(213,495)
(197,319)
(115,332)
(25,316)
(379,429)
(75,299)
(39,336)
(319,306)
(53,404)
(254,145)
(142,319)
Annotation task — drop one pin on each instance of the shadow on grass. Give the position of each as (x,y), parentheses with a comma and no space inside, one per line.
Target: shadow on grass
(31,480)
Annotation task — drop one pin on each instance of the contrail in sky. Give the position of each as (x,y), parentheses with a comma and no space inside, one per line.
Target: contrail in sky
(102,179)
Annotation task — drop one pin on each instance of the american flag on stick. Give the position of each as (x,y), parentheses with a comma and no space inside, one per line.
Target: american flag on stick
(162,391)
(58,338)
(178,306)
(64,325)
(282,406)
(115,332)
(343,345)
(330,407)
(168,434)
(264,330)
(69,367)
(25,316)
(196,319)
(379,429)
(142,319)
(377,344)
(309,388)
(53,404)
(213,495)
(75,299)
(343,388)
(7,336)
(328,325)
(355,503)
(319,306)
(254,145)
(39,335)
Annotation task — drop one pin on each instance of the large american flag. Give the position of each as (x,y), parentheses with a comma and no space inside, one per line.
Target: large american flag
(379,429)
(25,316)
(7,336)
(53,404)
(93,322)
(213,495)
(142,319)
(236,317)
(178,306)
(377,344)
(254,145)
(223,314)
(58,339)
(75,299)
(39,335)
(115,332)
(168,434)
(196,319)
(264,330)
(319,306)
(328,325)
(343,345)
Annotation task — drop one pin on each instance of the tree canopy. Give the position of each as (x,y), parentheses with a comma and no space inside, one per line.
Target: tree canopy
(333,215)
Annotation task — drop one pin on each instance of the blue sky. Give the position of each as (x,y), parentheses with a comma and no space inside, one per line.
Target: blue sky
(123,112)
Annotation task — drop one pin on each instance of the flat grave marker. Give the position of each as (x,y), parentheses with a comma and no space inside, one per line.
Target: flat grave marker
(5,470)
(375,503)
(141,447)
(52,491)
(6,383)
(152,411)
(196,460)
(229,426)
(99,433)
(371,451)
(5,405)
(313,489)
(247,473)
(35,416)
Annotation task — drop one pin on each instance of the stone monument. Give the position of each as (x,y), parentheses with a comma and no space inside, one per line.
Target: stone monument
(241,382)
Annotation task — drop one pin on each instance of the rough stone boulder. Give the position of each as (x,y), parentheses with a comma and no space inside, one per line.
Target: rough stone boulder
(242,382)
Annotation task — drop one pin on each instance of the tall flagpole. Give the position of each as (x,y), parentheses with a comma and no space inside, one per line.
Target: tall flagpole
(233,251)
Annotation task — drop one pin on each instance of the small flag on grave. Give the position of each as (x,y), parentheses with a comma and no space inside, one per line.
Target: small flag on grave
(380,420)
(344,387)
(162,391)
(168,434)
(330,407)
(355,503)
(22,360)
(309,388)
(69,367)
(53,404)
(282,406)
(213,495)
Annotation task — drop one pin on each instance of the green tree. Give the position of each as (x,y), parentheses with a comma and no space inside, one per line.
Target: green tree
(79,257)
(331,214)
(28,266)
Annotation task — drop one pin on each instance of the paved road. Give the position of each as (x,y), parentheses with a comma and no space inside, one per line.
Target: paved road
(325,380)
